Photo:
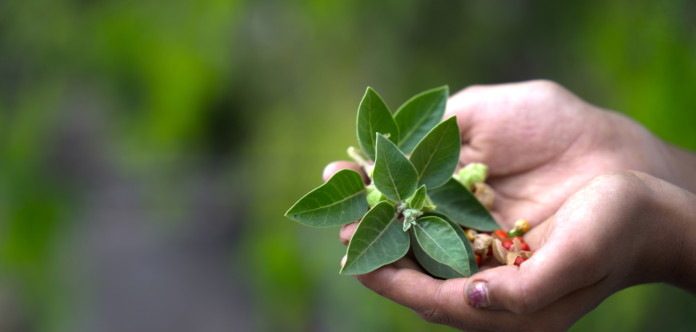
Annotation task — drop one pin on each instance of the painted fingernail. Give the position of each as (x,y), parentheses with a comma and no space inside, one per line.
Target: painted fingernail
(477,295)
(343,260)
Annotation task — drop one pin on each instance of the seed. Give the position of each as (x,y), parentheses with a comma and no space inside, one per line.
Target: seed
(519,260)
(478,259)
(471,234)
(507,244)
(500,234)
(525,246)
(522,225)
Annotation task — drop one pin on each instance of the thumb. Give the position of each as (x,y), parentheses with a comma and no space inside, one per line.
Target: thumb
(560,267)
(336,166)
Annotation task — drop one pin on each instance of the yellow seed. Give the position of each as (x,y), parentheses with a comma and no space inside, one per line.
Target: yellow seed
(522,226)
(471,234)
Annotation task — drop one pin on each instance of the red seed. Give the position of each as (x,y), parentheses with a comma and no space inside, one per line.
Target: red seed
(519,260)
(507,244)
(490,251)
(501,234)
(519,237)
(525,247)
(478,259)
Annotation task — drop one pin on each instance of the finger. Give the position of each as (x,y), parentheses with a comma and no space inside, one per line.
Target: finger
(407,287)
(562,265)
(466,104)
(436,301)
(336,166)
(535,236)
(347,232)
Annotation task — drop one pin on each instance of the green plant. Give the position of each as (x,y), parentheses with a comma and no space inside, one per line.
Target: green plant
(413,201)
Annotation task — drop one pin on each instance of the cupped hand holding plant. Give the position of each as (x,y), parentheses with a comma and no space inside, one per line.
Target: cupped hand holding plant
(542,144)
(620,229)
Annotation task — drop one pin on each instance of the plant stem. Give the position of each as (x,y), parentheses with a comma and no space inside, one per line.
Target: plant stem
(358,158)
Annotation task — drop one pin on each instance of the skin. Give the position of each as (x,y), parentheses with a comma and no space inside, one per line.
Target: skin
(553,161)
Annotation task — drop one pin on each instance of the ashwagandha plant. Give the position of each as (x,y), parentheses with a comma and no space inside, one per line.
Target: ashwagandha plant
(412,200)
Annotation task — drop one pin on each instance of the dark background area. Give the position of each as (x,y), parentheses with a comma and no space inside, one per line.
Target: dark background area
(149,148)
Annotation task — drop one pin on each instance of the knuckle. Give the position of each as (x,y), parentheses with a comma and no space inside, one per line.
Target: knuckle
(521,305)
(434,311)
(547,86)
(522,299)
(430,315)
(625,185)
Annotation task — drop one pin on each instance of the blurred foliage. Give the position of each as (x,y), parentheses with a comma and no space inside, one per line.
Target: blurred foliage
(274,85)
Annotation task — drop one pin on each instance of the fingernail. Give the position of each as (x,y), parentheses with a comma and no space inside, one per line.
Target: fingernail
(477,295)
(343,260)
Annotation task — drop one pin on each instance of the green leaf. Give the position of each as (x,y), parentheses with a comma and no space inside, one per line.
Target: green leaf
(417,201)
(454,200)
(420,114)
(374,117)
(393,175)
(339,201)
(460,232)
(440,241)
(437,155)
(377,241)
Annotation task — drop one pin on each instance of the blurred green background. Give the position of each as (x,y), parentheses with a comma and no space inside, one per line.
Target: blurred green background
(149,148)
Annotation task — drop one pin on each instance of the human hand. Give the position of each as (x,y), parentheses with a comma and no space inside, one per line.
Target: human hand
(620,229)
(541,143)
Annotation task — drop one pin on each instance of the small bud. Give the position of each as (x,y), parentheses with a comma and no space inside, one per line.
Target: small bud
(472,173)
(373,196)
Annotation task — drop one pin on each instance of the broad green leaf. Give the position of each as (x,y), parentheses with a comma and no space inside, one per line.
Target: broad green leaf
(457,202)
(377,241)
(339,201)
(440,241)
(437,155)
(460,232)
(420,114)
(393,175)
(374,117)
(417,201)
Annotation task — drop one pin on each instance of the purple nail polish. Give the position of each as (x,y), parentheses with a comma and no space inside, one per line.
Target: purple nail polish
(477,295)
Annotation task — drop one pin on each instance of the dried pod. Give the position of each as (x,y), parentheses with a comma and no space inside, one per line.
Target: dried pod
(484,193)
(516,245)
(499,251)
(511,257)
(471,234)
(481,244)
(526,254)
